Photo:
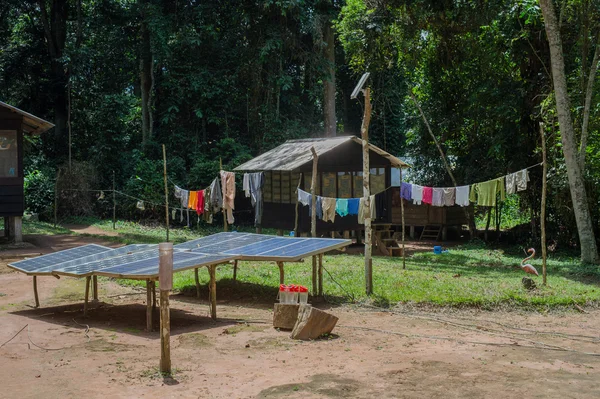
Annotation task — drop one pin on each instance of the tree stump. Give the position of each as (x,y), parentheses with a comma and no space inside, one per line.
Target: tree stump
(285,316)
(312,323)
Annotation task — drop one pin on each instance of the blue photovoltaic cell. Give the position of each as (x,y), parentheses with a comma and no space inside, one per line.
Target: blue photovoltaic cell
(209,240)
(232,245)
(149,267)
(44,261)
(303,248)
(257,248)
(73,265)
(90,267)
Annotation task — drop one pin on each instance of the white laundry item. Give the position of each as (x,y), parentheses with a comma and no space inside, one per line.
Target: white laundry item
(417,194)
(438,197)
(303,197)
(517,181)
(462,195)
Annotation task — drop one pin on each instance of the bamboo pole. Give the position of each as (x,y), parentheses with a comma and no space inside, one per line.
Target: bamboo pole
(313,216)
(166,190)
(153,283)
(165,279)
(213,291)
(114,220)
(403,226)
(87,296)
(235,267)
(197,280)
(296,207)
(148,306)
(543,210)
(35,292)
(281,272)
(364,132)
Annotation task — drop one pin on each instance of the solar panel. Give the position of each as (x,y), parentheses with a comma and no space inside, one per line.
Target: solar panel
(290,249)
(31,266)
(264,246)
(231,245)
(209,240)
(148,268)
(88,268)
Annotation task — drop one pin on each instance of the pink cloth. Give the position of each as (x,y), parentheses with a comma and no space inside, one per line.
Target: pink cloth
(427,195)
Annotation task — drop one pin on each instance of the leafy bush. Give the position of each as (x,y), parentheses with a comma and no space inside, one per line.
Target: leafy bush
(39,192)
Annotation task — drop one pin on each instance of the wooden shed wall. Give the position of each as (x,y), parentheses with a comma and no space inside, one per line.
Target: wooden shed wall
(11,188)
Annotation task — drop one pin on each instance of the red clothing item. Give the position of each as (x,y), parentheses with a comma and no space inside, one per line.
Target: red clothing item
(428,195)
(200,203)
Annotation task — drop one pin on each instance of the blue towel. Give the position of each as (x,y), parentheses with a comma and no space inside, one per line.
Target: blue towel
(341,206)
(353,204)
(319,205)
(406,191)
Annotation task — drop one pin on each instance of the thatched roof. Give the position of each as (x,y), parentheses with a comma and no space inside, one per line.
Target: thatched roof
(293,154)
(31,123)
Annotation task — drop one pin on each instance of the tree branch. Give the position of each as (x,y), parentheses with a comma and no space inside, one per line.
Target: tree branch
(588,105)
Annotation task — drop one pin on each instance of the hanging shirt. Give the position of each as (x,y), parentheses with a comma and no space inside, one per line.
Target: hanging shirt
(341,206)
(437,198)
(417,194)
(353,204)
(328,205)
(427,195)
(246,184)
(406,191)
(207,215)
(256,182)
(228,191)
(462,196)
(304,198)
(193,200)
(449,196)
(319,205)
(517,181)
(485,193)
(216,195)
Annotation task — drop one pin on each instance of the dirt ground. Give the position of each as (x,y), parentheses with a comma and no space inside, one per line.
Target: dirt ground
(408,354)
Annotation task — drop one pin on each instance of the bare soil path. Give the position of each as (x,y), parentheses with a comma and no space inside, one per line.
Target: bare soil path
(373,354)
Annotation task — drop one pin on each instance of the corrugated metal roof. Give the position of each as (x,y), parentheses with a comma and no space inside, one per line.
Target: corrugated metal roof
(295,153)
(31,123)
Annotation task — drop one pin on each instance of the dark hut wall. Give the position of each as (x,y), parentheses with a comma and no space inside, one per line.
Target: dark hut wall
(11,173)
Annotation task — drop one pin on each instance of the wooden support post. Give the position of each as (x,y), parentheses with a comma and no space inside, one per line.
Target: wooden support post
(35,292)
(281,272)
(313,194)
(165,280)
(543,210)
(148,306)
(296,208)
(403,226)
(95,288)
(114,202)
(166,190)
(315,286)
(87,296)
(235,265)
(225,228)
(320,274)
(364,131)
(212,270)
(197,280)
(153,296)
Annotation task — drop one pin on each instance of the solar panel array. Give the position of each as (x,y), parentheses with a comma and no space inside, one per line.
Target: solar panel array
(140,261)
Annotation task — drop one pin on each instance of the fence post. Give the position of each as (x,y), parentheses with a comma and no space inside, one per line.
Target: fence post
(165,281)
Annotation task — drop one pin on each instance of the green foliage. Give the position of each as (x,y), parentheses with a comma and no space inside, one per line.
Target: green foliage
(39,192)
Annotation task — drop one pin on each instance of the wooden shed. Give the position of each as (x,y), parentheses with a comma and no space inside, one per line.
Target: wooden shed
(14,124)
(339,176)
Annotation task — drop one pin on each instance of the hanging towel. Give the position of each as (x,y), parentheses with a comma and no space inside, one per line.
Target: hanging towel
(353,204)
(341,206)
(462,196)
(485,193)
(256,182)
(437,198)
(406,191)
(449,196)
(328,205)
(319,205)
(374,213)
(304,198)
(200,203)
(517,181)
(193,200)
(228,190)
(361,210)
(417,194)
(427,195)
(207,215)
(216,196)
(246,184)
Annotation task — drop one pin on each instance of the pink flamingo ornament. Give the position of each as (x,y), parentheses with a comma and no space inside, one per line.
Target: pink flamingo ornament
(527,268)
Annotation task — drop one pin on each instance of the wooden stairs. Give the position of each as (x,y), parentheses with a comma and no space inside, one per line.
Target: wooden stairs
(383,238)
(431,232)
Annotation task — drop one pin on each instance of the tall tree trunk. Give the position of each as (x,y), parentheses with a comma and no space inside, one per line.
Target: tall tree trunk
(145,79)
(587,240)
(588,105)
(54,21)
(329,82)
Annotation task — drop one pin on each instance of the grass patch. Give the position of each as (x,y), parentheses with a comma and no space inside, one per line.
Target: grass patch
(33,227)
